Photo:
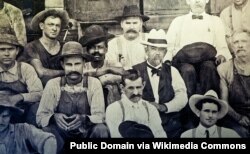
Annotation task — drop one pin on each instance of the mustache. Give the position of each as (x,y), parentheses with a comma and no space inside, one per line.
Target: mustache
(131,31)
(133,96)
(73,73)
(97,54)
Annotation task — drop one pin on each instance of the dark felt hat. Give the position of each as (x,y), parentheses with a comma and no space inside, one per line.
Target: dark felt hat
(94,34)
(7,104)
(39,17)
(132,129)
(73,48)
(132,11)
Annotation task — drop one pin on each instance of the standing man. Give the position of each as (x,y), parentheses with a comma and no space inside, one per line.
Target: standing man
(197,44)
(209,109)
(22,137)
(164,87)
(236,18)
(95,39)
(40,53)
(12,20)
(126,49)
(132,109)
(72,106)
(235,85)
(18,80)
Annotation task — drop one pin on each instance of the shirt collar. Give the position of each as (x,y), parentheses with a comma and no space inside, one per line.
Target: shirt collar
(202,129)
(204,14)
(130,103)
(157,67)
(12,70)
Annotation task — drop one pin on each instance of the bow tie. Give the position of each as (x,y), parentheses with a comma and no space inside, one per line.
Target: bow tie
(197,17)
(155,70)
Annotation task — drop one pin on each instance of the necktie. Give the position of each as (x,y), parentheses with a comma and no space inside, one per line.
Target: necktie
(155,70)
(207,133)
(197,17)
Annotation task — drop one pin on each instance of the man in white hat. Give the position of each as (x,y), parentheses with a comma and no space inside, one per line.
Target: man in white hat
(126,49)
(22,137)
(40,53)
(209,109)
(164,86)
(72,106)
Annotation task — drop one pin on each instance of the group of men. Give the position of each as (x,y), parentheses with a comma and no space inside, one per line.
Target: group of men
(136,85)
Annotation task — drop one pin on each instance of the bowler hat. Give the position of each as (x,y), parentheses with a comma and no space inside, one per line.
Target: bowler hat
(73,48)
(40,17)
(209,95)
(94,34)
(7,104)
(156,38)
(132,11)
(132,129)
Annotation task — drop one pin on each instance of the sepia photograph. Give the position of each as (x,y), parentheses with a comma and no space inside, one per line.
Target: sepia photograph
(73,70)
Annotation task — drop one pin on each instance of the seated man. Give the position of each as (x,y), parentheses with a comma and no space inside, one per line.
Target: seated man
(209,109)
(235,85)
(164,86)
(133,110)
(72,106)
(22,137)
(41,52)
(96,41)
(18,80)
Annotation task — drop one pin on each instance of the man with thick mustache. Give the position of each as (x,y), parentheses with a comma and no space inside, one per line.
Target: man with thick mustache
(235,85)
(126,49)
(72,106)
(132,109)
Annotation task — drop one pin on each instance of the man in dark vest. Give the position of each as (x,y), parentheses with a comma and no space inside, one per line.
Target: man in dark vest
(164,87)
(72,106)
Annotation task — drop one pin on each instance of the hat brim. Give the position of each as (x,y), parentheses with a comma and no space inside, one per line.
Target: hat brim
(194,99)
(144,18)
(85,40)
(14,110)
(87,57)
(49,12)
(154,44)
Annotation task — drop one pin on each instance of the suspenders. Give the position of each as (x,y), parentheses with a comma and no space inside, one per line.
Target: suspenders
(123,110)
(218,130)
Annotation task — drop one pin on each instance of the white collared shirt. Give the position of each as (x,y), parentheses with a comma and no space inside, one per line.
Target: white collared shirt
(154,80)
(200,132)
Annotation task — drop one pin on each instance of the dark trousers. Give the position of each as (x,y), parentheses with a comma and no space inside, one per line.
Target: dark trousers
(229,122)
(95,131)
(199,77)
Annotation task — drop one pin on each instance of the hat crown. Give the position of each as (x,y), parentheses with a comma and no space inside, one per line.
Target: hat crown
(211,93)
(94,31)
(157,35)
(72,48)
(131,10)
(8,36)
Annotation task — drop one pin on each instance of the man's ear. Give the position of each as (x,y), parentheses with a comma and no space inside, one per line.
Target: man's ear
(62,63)
(122,88)
(144,84)
(41,25)
(198,113)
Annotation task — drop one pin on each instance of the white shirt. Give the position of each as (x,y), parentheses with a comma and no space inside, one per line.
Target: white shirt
(132,51)
(184,30)
(213,132)
(180,99)
(134,112)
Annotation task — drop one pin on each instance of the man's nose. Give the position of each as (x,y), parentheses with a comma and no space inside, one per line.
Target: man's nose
(136,91)
(6,52)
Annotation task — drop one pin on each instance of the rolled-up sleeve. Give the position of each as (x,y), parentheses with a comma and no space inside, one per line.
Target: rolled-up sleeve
(180,99)
(34,84)
(49,102)
(96,100)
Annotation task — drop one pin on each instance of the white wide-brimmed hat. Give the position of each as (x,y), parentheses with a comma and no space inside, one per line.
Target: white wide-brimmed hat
(156,38)
(209,95)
